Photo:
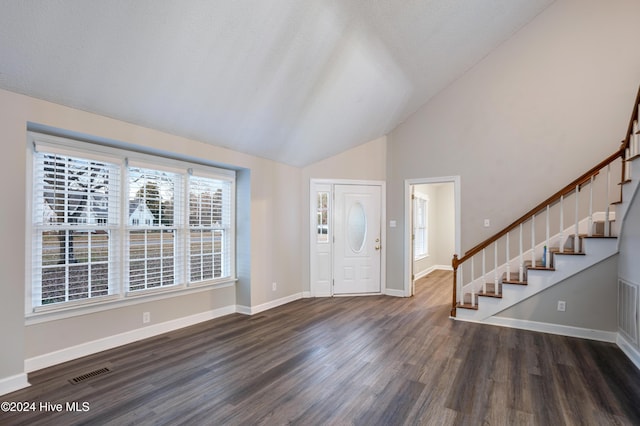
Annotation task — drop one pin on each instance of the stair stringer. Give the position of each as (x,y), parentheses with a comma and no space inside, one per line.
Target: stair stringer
(596,250)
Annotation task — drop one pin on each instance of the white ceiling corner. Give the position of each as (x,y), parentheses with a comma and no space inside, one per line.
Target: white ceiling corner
(287,80)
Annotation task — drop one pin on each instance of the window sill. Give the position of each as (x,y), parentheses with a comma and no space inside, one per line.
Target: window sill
(116,301)
(424,256)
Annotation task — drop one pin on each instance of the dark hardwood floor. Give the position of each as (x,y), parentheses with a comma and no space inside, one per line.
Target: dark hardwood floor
(356,360)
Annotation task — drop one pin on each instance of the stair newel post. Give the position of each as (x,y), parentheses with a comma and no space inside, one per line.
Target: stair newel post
(590,221)
(521,259)
(484,273)
(454,264)
(607,224)
(508,258)
(547,259)
(473,288)
(495,267)
(533,241)
(576,238)
(562,224)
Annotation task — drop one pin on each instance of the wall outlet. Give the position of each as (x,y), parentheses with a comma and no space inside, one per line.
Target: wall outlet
(562,305)
(146,317)
(487,223)
(274,286)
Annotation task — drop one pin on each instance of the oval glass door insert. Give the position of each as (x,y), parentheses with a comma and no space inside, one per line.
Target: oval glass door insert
(356,227)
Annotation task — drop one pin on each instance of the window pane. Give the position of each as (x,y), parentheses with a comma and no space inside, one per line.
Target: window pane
(73,190)
(322,215)
(152,259)
(151,197)
(209,223)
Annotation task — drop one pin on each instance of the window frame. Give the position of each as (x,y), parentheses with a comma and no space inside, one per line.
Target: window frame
(423,200)
(120,294)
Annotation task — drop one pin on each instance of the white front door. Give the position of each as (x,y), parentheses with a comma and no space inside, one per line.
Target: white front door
(358,242)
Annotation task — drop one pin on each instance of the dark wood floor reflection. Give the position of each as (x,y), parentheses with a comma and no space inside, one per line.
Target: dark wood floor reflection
(354,360)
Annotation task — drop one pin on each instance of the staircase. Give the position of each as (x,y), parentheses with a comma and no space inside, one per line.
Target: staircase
(567,233)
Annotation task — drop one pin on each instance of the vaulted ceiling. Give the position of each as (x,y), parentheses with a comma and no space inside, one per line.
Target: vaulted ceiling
(289,80)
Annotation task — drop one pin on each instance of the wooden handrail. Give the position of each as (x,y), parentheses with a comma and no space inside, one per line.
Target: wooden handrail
(543,205)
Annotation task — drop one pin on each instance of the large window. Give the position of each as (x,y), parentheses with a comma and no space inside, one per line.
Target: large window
(111,224)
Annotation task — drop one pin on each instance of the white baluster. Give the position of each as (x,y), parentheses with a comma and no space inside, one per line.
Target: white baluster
(533,241)
(607,224)
(547,259)
(495,267)
(562,224)
(508,259)
(590,221)
(461,285)
(473,287)
(576,238)
(634,139)
(484,273)
(521,259)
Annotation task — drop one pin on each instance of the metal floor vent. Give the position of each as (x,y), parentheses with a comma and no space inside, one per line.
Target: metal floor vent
(90,375)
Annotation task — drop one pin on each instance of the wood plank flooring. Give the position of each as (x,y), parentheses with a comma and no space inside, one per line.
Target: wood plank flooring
(338,361)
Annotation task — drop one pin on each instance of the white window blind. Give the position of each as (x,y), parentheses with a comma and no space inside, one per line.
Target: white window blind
(209,228)
(104,224)
(153,234)
(73,247)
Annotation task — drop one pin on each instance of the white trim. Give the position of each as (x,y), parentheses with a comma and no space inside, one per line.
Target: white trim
(13,383)
(629,350)
(252,310)
(110,342)
(562,330)
(394,292)
(313,184)
(130,300)
(408,258)
(431,269)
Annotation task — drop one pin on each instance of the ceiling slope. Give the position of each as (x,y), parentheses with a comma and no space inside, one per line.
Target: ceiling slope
(293,81)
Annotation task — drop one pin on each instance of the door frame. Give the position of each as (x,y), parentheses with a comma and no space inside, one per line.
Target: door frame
(408,209)
(313,252)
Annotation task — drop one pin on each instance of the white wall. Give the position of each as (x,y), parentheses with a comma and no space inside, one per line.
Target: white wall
(590,296)
(628,264)
(268,228)
(537,112)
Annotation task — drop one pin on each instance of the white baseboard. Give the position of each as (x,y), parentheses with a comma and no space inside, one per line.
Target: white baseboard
(13,383)
(563,330)
(252,310)
(429,270)
(393,292)
(94,346)
(629,350)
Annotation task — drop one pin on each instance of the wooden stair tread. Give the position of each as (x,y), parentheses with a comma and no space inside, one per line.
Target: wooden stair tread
(634,157)
(538,267)
(490,294)
(556,250)
(491,290)
(467,306)
(513,279)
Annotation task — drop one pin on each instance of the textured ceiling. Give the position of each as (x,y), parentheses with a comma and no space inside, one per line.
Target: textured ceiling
(294,81)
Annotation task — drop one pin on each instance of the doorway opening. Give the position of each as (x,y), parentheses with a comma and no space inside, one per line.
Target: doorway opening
(432,226)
